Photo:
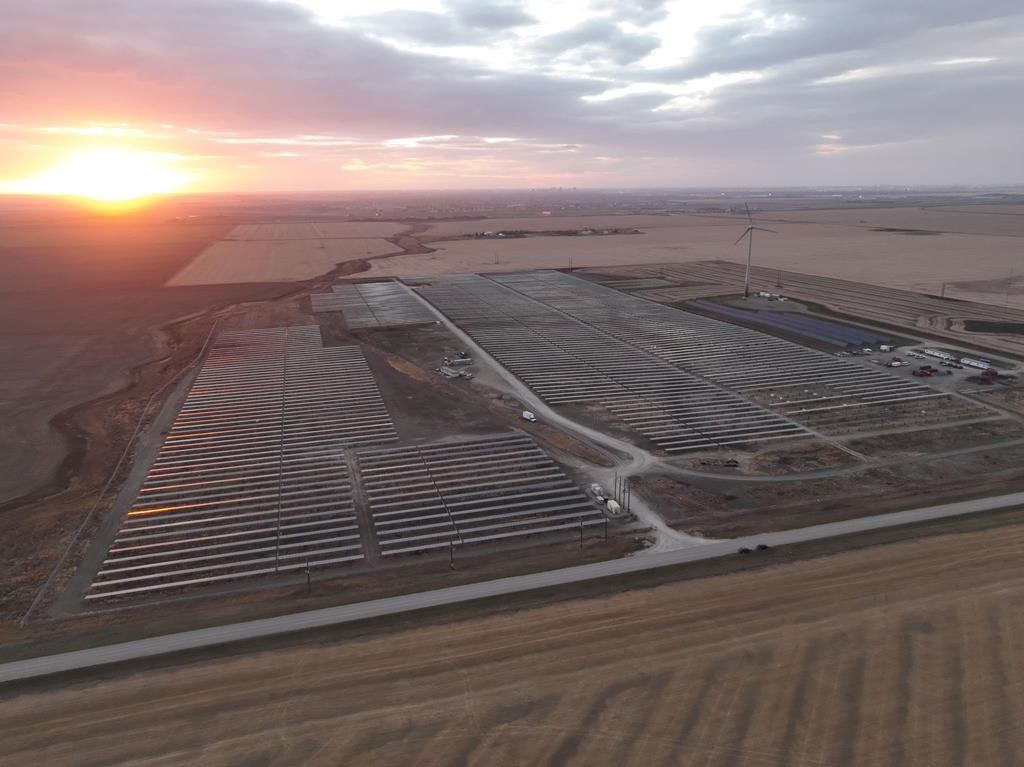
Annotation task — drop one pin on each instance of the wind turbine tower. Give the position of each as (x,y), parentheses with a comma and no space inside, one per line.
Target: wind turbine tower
(749,234)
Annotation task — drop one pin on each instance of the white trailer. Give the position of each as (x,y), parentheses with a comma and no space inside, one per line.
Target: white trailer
(973,363)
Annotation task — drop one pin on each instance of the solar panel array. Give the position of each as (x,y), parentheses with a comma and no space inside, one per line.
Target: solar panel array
(465,493)
(252,478)
(796,381)
(800,324)
(373,305)
(891,306)
(567,361)
(641,283)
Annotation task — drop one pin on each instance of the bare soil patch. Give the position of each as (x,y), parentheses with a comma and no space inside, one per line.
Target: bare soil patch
(934,440)
(1010,399)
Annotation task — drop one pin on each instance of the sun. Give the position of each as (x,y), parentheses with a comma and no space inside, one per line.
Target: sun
(108,175)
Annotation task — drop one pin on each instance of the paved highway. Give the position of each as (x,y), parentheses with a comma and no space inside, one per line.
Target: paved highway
(330,616)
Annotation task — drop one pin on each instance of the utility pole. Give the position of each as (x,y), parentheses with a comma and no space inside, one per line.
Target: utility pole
(309,579)
(581,533)
(451,553)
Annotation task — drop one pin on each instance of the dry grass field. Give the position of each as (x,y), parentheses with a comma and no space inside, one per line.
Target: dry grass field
(905,654)
(844,244)
(983,220)
(314,230)
(286,251)
(247,261)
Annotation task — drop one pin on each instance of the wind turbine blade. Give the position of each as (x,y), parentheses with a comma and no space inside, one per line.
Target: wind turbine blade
(749,218)
(745,233)
(762,229)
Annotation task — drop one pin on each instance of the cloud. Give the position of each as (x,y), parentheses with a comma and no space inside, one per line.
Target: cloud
(777,32)
(489,15)
(750,103)
(601,39)
(466,22)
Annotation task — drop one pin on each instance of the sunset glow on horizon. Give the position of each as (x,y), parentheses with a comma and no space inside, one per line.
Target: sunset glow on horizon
(314,95)
(105,174)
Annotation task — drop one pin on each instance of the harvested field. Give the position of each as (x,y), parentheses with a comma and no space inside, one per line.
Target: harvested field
(819,242)
(318,230)
(242,261)
(976,220)
(900,655)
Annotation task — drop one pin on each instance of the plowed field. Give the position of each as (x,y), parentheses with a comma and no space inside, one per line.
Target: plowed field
(905,654)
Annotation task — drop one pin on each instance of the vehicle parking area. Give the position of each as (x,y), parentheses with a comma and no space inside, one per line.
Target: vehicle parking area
(373,305)
(252,477)
(463,493)
(566,361)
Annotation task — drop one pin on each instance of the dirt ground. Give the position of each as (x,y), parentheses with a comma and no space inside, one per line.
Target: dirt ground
(725,507)
(933,440)
(905,654)
(1010,399)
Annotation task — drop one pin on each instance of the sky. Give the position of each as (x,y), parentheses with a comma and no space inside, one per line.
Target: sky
(308,95)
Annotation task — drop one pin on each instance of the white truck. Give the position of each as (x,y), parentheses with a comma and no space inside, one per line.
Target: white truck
(528,416)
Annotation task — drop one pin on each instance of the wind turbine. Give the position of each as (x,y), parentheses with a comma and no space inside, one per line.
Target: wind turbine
(749,234)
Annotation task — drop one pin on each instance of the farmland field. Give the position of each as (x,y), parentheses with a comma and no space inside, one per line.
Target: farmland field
(905,654)
(832,243)
(314,230)
(287,260)
(79,305)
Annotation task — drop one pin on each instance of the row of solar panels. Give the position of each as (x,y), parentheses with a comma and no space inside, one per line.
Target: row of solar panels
(255,475)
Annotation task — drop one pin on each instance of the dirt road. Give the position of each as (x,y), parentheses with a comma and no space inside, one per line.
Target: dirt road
(905,654)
